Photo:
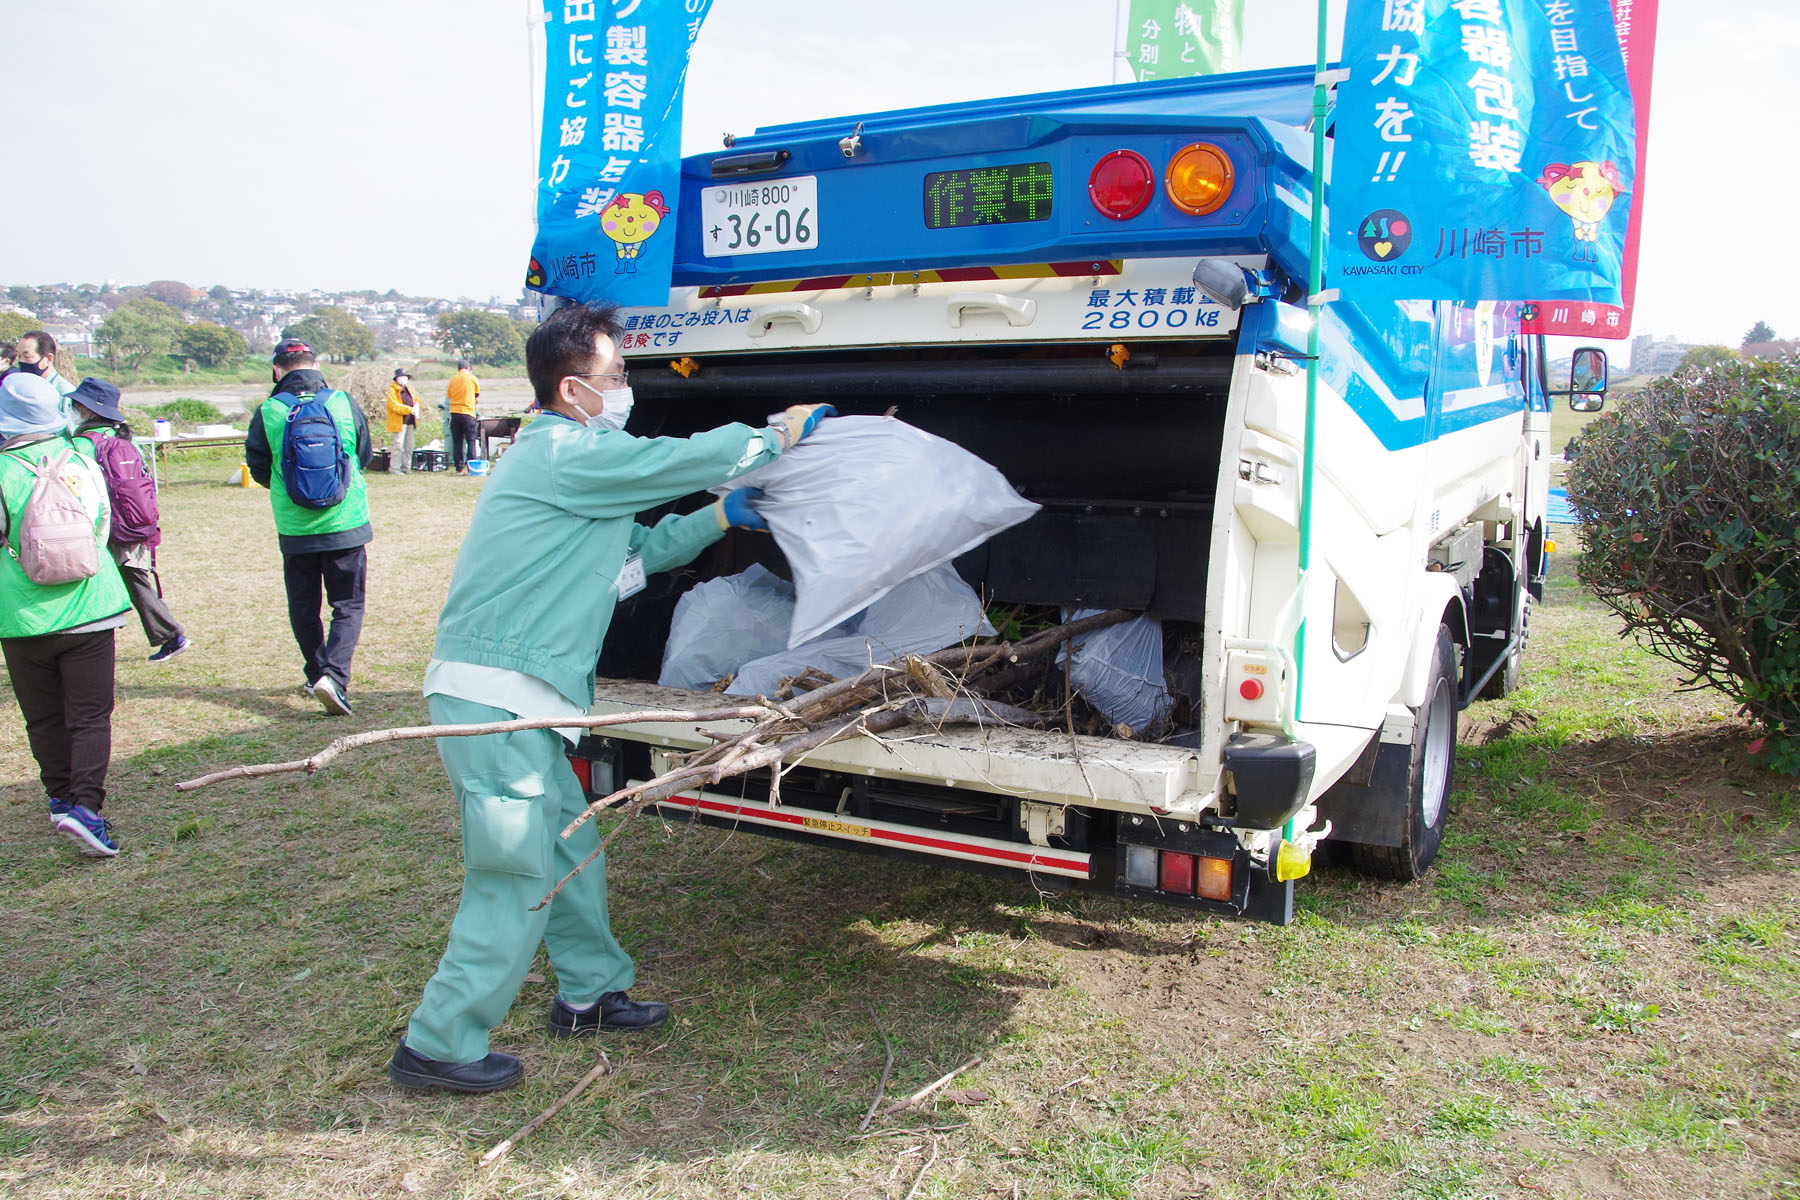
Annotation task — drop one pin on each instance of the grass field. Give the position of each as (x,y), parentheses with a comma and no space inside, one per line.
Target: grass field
(1595,993)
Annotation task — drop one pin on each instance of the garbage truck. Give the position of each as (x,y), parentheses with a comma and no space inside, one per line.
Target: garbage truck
(1102,293)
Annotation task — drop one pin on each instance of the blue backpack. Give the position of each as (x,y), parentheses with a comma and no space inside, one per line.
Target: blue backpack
(314,467)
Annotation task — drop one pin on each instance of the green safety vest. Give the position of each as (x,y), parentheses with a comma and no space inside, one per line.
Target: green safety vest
(295,520)
(30,609)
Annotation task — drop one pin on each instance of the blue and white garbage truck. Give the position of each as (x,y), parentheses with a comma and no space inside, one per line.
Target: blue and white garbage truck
(1102,293)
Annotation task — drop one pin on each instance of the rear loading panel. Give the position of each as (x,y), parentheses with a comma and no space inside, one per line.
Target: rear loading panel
(1124,461)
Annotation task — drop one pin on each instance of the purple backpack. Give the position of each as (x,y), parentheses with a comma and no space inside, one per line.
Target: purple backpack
(130,488)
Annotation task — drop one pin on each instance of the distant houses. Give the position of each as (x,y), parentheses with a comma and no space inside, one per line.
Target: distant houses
(73,314)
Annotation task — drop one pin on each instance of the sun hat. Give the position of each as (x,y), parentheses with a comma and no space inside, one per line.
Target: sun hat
(100,398)
(29,404)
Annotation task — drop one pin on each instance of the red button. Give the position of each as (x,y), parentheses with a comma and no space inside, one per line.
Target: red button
(1251,689)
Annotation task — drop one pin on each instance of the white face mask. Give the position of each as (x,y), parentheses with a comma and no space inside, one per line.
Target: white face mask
(615,407)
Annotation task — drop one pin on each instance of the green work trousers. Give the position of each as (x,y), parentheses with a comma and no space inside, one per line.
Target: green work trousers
(517,793)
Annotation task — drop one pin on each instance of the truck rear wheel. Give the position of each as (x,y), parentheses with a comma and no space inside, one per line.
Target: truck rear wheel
(1428,778)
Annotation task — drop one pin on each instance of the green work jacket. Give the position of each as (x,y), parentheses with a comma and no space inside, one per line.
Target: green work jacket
(537,579)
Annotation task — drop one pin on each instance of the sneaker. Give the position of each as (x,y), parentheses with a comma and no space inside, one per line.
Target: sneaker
(306,688)
(91,832)
(169,650)
(58,810)
(331,697)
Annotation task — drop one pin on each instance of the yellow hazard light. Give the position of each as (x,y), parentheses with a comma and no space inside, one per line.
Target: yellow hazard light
(1198,179)
(1291,862)
(1550,547)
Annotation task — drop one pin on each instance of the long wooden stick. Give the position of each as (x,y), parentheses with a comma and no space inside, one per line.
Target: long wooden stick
(881,1087)
(812,709)
(923,1171)
(603,1067)
(929,1088)
(408,733)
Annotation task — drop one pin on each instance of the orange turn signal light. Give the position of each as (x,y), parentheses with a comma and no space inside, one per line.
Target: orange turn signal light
(1199,178)
(1214,882)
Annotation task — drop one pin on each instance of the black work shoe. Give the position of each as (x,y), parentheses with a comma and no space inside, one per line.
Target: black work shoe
(415,1071)
(616,1012)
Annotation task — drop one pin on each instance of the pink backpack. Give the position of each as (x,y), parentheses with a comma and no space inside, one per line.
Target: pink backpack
(57,542)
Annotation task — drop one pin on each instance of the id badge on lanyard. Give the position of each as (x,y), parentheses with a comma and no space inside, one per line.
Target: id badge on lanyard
(631,577)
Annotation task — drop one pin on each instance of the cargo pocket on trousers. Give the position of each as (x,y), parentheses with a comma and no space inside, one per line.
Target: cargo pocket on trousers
(504,831)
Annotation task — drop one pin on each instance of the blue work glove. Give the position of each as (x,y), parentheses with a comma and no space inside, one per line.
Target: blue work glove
(734,512)
(800,420)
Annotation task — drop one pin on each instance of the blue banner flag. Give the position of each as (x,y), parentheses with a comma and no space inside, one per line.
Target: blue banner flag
(609,163)
(1485,150)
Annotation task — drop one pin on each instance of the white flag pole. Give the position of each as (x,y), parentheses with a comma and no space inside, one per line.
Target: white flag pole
(1119,38)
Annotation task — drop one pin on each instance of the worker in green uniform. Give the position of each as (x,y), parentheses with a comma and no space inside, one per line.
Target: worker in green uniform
(551,549)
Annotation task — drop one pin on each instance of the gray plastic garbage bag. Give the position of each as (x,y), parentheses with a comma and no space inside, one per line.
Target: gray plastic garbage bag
(935,610)
(723,623)
(1119,670)
(866,503)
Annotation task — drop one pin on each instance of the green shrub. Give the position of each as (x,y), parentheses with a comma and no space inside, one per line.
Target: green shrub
(1689,497)
(185,410)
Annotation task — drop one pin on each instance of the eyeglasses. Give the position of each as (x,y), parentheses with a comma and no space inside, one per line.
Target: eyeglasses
(621,376)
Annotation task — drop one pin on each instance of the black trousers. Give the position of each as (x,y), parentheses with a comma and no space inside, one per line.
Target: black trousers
(64,682)
(160,625)
(463,439)
(340,576)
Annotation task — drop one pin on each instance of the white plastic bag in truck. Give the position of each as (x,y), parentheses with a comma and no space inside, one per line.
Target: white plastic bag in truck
(723,623)
(928,613)
(866,503)
(1119,670)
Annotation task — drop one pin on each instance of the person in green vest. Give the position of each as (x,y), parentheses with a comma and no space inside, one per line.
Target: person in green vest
(323,550)
(552,547)
(57,639)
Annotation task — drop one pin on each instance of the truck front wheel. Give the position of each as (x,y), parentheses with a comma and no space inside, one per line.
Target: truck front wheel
(1428,777)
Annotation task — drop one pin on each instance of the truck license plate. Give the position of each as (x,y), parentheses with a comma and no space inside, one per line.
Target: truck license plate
(760,218)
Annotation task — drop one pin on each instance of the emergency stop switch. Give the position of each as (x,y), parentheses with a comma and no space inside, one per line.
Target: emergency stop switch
(1253,682)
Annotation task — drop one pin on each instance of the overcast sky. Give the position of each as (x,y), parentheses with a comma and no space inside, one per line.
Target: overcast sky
(388,143)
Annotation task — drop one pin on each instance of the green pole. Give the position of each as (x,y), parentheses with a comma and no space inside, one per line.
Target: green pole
(1315,283)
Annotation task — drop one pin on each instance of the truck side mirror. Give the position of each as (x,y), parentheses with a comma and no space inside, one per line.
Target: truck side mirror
(1587,380)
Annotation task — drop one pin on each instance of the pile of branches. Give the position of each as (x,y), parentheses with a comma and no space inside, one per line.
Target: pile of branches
(949,688)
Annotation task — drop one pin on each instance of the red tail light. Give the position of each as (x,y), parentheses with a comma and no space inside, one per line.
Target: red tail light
(1121,184)
(584,772)
(1178,873)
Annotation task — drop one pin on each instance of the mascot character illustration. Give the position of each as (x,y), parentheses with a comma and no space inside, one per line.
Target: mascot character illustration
(629,221)
(1585,191)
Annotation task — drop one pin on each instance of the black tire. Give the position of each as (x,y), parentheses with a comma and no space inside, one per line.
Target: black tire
(1430,773)
(1505,681)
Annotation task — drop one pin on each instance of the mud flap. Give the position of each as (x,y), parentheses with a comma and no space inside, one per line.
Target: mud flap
(1375,814)
(1269,900)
